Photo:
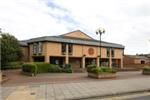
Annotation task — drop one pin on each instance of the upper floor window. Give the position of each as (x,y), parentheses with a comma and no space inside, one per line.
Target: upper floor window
(40,48)
(112,52)
(108,52)
(70,48)
(63,48)
(37,48)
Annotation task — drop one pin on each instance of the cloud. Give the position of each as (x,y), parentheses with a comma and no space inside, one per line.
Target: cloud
(126,21)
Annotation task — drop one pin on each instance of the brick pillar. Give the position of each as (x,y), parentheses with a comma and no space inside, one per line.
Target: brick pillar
(121,62)
(47,59)
(83,62)
(67,55)
(31,58)
(97,61)
(110,58)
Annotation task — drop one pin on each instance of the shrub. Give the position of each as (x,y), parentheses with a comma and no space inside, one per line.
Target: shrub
(146,68)
(89,67)
(42,67)
(29,68)
(94,69)
(67,68)
(54,68)
(13,65)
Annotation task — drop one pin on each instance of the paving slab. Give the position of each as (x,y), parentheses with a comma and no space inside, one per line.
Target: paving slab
(63,91)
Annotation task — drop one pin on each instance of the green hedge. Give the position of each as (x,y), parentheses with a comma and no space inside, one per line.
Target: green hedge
(14,65)
(89,67)
(42,67)
(29,68)
(102,69)
(67,68)
(146,68)
(54,68)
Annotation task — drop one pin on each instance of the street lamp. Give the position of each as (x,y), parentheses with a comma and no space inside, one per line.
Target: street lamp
(100,31)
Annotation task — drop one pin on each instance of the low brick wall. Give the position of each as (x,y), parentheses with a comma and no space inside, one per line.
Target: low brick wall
(146,72)
(102,76)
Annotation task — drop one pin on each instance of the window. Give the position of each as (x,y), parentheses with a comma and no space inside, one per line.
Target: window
(108,53)
(40,48)
(142,62)
(63,48)
(34,48)
(112,52)
(37,48)
(70,48)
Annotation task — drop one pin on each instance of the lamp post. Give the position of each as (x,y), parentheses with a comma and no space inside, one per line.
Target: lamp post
(99,32)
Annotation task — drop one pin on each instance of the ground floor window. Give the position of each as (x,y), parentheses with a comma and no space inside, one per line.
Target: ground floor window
(142,62)
(38,59)
(57,60)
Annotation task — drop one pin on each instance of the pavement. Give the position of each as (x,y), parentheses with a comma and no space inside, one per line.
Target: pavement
(15,77)
(75,90)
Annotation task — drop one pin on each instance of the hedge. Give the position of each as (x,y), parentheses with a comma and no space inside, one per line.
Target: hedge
(42,67)
(54,68)
(102,69)
(67,68)
(13,65)
(146,68)
(30,68)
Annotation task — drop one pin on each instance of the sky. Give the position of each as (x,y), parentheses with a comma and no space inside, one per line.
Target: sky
(126,22)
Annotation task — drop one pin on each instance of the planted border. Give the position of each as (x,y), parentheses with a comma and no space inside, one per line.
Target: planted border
(100,72)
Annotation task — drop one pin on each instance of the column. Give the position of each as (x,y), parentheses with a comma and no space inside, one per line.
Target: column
(97,61)
(31,58)
(110,58)
(121,62)
(83,62)
(67,55)
(47,59)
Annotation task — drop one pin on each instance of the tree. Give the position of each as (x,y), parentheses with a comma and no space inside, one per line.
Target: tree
(10,49)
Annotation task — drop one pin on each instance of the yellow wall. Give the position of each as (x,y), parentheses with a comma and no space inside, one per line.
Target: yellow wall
(25,53)
(77,34)
(54,49)
(118,53)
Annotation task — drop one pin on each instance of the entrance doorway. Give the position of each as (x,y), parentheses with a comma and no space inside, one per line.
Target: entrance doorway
(38,59)
(90,61)
(57,60)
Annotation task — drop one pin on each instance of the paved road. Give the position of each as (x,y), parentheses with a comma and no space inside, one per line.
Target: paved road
(130,96)
(16,78)
(140,98)
(63,91)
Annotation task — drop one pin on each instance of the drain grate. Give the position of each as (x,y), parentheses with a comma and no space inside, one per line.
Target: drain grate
(32,93)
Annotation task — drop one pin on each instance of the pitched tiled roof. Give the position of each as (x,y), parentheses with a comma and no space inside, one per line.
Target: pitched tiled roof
(23,43)
(66,39)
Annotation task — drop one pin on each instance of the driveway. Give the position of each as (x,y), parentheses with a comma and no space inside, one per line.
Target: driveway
(16,78)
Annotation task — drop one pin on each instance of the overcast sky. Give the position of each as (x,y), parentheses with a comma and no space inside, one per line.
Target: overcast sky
(126,21)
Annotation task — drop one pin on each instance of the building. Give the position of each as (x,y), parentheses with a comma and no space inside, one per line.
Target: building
(136,60)
(75,48)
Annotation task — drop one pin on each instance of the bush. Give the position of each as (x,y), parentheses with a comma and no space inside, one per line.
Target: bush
(13,65)
(67,68)
(42,67)
(95,69)
(89,67)
(29,68)
(54,68)
(146,68)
